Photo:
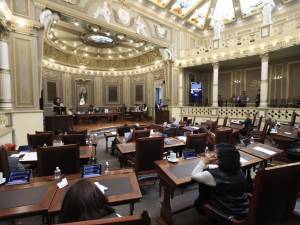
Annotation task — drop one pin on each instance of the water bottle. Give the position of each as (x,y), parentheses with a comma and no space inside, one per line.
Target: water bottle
(106,167)
(251,140)
(57,173)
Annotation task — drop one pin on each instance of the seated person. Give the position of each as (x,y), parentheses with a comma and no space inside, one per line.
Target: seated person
(91,109)
(211,138)
(145,108)
(84,201)
(225,187)
(174,123)
(13,162)
(247,125)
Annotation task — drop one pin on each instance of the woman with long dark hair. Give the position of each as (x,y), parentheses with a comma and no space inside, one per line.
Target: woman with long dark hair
(84,201)
(224,187)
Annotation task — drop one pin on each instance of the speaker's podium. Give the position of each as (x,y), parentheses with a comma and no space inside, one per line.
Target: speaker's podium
(162,115)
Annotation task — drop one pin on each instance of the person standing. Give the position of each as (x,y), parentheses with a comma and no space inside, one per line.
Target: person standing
(257,98)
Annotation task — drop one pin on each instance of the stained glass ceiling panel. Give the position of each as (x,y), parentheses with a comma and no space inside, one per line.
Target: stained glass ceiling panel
(225,10)
(182,8)
(161,3)
(199,16)
(249,8)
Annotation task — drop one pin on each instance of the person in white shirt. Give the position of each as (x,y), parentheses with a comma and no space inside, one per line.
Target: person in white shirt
(224,187)
(175,123)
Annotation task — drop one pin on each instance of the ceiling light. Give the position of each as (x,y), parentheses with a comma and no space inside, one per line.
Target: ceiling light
(76,24)
(194,28)
(109,56)
(82,67)
(153,7)
(165,12)
(112,69)
(50,36)
(52,60)
(120,56)
(183,22)
(86,54)
(131,41)
(120,36)
(55,21)
(109,50)
(138,67)
(52,29)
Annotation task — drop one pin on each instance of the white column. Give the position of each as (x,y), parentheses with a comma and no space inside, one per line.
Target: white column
(215,84)
(180,88)
(5,77)
(264,80)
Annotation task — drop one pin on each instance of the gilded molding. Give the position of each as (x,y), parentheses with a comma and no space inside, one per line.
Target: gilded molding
(73,60)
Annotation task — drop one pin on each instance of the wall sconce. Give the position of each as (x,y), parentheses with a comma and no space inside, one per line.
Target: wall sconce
(236,81)
(278,77)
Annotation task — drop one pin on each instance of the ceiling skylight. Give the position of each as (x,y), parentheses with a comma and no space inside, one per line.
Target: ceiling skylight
(182,8)
(199,16)
(225,10)
(249,8)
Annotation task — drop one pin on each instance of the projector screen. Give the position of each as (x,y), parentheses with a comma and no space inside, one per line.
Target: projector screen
(196,92)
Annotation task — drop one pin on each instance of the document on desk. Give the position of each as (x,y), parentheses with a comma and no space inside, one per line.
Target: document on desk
(242,160)
(195,128)
(260,149)
(113,132)
(29,156)
(182,138)
(101,187)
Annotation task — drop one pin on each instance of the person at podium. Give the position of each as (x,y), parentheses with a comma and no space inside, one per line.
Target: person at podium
(58,106)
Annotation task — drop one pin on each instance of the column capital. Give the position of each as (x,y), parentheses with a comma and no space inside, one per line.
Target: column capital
(264,57)
(216,65)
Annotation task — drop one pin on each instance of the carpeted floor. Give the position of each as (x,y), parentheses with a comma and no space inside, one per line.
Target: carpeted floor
(150,200)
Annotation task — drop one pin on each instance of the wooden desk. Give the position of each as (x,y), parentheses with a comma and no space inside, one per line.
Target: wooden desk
(137,115)
(250,149)
(123,188)
(28,199)
(286,135)
(94,116)
(177,175)
(64,123)
(126,149)
(86,152)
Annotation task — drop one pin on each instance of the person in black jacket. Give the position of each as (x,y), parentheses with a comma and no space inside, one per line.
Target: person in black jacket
(224,187)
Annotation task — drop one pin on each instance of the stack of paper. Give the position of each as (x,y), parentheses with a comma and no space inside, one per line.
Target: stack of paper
(260,149)
(242,160)
(182,138)
(101,187)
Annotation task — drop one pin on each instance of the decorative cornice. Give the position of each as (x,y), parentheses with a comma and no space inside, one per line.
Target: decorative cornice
(156,67)
(72,60)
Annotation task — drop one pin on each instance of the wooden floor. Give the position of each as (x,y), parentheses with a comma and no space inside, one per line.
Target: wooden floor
(91,126)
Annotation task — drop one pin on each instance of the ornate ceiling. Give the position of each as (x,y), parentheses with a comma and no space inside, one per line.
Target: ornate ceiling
(87,40)
(198,13)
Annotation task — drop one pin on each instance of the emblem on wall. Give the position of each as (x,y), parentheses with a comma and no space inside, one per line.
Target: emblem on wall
(160,31)
(124,17)
(104,11)
(140,26)
(74,2)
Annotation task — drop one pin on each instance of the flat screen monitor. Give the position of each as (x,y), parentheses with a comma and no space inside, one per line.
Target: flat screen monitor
(196,92)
